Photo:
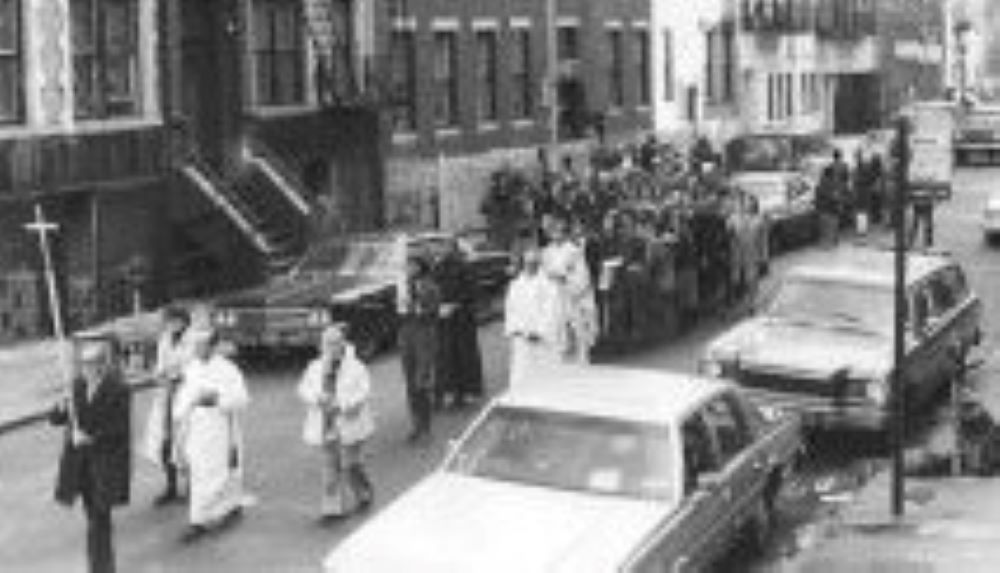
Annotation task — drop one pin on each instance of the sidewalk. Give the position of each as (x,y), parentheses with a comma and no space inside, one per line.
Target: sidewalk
(31,378)
(950,523)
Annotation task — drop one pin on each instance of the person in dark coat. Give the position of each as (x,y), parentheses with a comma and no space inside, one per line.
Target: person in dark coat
(460,367)
(96,461)
(419,308)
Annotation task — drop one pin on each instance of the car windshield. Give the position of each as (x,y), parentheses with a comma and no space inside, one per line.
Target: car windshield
(852,305)
(355,258)
(569,452)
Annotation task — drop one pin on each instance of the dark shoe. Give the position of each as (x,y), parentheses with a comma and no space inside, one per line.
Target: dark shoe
(328,519)
(366,501)
(233,516)
(166,498)
(193,533)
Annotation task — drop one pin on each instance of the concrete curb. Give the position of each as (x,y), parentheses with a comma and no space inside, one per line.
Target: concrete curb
(137,384)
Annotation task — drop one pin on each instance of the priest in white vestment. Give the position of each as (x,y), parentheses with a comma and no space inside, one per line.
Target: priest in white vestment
(207,412)
(530,320)
(563,261)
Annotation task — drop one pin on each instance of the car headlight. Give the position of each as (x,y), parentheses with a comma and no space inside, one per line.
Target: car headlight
(224,318)
(718,367)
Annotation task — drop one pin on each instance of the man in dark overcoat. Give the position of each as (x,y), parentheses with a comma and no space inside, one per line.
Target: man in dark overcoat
(96,464)
(419,308)
(461,368)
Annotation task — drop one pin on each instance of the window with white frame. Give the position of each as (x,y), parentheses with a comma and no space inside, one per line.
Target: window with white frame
(11,63)
(277,50)
(486,73)
(105,42)
(641,38)
(616,68)
(446,78)
(522,99)
(669,86)
(403,80)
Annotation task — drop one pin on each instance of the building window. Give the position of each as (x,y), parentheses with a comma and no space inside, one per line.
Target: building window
(772,97)
(278,52)
(720,64)
(11,70)
(332,35)
(403,80)
(789,95)
(616,69)
(105,58)
(446,78)
(642,63)
(486,70)
(568,43)
(521,96)
(669,85)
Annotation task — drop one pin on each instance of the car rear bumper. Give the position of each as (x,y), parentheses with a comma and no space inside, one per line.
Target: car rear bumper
(825,413)
(991,225)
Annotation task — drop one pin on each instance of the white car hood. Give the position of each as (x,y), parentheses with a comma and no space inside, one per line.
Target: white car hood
(776,345)
(451,523)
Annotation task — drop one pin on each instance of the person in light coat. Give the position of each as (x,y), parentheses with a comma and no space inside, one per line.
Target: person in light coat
(529,319)
(207,412)
(173,353)
(336,389)
(564,262)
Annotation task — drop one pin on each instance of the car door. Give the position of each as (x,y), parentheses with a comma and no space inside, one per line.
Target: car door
(687,541)
(924,350)
(742,469)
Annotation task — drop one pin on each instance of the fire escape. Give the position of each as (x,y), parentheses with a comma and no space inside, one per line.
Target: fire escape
(260,191)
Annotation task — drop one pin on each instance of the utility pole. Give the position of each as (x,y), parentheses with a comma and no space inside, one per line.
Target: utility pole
(552,77)
(898,391)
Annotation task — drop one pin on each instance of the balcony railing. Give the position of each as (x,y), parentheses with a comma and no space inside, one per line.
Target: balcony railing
(838,19)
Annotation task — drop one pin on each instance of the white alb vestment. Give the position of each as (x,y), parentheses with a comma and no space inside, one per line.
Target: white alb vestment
(576,312)
(172,357)
(211,443)
(530,321)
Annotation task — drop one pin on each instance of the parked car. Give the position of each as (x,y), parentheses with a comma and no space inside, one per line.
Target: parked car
(351,280)
(991,219)
(591,470)
(787,203)
(823,344)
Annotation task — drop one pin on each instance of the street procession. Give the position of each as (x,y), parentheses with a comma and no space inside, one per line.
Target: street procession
(533,286)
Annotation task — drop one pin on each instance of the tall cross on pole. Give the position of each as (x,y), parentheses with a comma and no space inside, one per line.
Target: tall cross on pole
(43,228)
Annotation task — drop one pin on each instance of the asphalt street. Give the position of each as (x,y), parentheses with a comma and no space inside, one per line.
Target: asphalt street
(280,532)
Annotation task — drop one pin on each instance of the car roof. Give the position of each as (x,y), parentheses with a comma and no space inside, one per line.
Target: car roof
(869,265)
(650,396)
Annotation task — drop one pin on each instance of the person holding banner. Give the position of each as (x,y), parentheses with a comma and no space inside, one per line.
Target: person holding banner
(207,411)
(96,465)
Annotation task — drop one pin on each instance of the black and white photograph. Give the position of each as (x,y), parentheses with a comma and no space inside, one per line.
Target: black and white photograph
(499,286)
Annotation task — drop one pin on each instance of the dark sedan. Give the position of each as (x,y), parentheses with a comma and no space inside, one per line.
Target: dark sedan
(349,280)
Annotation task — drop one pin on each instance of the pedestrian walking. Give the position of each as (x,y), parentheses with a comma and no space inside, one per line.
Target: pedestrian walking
(530,320)
(419,308)
(830,199)
(336,389)
(460,371)
(173,354)
(864,190)
(208,409)
(565,263)
(96,464)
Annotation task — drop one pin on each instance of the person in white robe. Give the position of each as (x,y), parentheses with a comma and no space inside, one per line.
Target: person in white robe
(529,319)
(336,389)
(207,412)
(564,262)
(173,353)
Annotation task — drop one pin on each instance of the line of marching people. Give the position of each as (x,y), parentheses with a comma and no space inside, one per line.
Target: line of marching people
(194,430)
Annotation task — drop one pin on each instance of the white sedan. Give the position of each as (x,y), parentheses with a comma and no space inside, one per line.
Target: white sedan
(594,470)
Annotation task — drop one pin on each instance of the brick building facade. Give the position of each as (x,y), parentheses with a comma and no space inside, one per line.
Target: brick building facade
(467,83)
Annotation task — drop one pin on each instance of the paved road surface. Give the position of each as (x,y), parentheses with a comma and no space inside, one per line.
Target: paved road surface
(280,533)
